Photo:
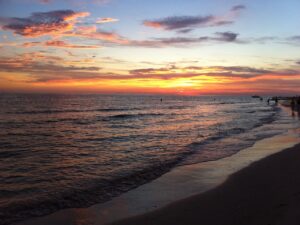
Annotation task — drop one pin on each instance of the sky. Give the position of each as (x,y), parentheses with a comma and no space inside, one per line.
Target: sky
(183,47)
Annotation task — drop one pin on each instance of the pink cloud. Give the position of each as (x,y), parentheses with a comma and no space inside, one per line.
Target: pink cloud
(43,23)
(93,33)
(58,44)
(106,20)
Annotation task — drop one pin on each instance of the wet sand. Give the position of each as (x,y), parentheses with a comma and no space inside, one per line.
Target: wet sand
(266,192)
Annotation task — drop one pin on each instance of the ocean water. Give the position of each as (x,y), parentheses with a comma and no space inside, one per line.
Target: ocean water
(62,151)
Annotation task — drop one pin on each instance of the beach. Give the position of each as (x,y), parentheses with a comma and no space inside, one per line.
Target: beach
(266,192)
(112,157)
(149,112)
(92,164)
(188,193)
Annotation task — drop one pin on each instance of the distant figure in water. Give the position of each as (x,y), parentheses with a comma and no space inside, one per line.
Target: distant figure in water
(276,100)
(161,99)
(261,98)
(268,101)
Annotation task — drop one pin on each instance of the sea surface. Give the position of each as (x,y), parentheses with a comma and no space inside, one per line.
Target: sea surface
(63,151)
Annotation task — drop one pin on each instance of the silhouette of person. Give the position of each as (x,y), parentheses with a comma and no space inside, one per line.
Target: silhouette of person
(276,100)
(293,103)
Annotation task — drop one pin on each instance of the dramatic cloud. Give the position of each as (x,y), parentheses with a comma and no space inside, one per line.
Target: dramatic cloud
(44,68)
(106,20)
(185,24)
(61,23)
(42,23)
(58,24)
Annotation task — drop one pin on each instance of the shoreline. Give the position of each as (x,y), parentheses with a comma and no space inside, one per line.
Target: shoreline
(180,183)
(266,192)
(202,132)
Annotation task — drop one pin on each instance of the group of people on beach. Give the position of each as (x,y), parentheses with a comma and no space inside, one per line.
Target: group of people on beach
(293,102)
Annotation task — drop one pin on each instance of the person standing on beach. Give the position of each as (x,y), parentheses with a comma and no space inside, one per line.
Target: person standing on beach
(293,103)
(276,100)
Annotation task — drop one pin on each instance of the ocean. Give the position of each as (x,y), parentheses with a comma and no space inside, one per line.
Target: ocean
(66,151)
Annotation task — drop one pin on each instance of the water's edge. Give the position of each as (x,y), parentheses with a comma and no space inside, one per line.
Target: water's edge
(82,184)
(179,183)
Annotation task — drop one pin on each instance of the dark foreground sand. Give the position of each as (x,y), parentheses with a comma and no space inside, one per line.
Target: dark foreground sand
(265,193)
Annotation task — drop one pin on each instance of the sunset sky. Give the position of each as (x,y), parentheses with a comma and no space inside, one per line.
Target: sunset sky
(135,46)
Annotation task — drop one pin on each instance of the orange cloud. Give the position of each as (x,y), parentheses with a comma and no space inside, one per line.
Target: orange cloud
(63,44)
(59,23)
(153,24)
(43,23)
(37,68)
(106,20)
(59,44)
(93,33)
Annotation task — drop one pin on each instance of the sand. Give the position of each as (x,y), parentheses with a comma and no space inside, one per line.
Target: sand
(266,192)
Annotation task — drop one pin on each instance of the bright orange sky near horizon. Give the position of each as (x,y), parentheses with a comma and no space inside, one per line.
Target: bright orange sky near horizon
(114,46)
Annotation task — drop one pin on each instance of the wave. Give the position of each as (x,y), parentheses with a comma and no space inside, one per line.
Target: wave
(101,190)
(118,109)
(177,107)
(230,102)
(81,121)
(98,191)
(129,116)
(54,111)
(112,139)
(231,141)
(99,142)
